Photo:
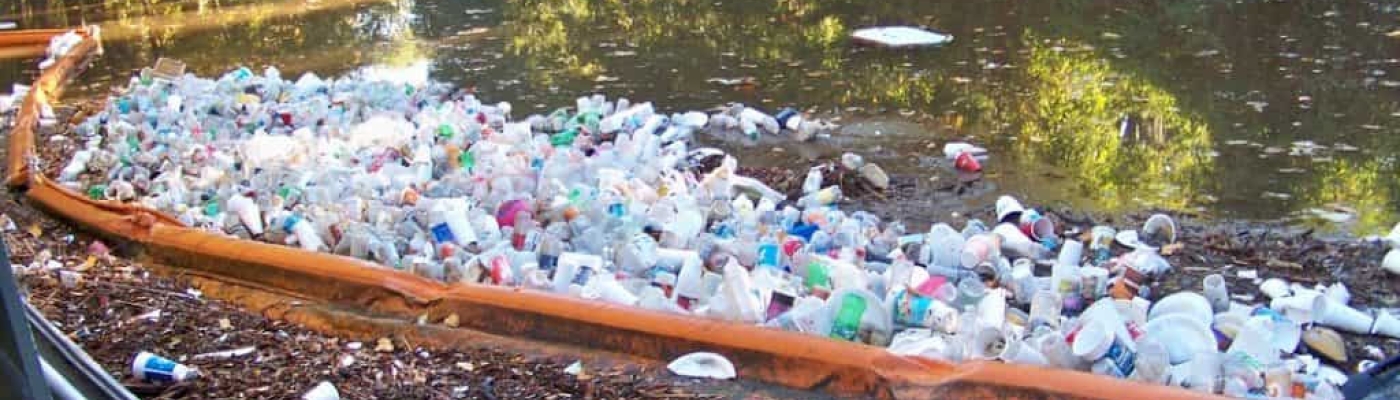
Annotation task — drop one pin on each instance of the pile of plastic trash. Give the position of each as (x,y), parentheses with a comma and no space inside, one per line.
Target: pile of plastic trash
(606,201)
(60,45)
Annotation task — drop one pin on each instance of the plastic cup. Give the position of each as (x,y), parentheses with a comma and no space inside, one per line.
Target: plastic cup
(1016,242)
(1278,381)
(1394,236)
(1275,288)
(1097,343)
(712,282)
(1152,362)
(1020,352)
(1159,230)
(1046,306)
(1036,226)
(1204,372)
(1092,341)
(611,291)
(973,227)
(1327,311)
(1071,253)
(1009,209)
(1105,312)
(978,250)
(920,311)
(1056,351)
(1023,284)
(1255,342)
(322,391)
(1216,292)
(967,162)
(154,368)
(938,287)
(987,343)
(690,281)
(991,309)
(1391,262)
(945,246)
(970,291)
(1093,282)
(1339,292)
(1386,324)
(1065,280)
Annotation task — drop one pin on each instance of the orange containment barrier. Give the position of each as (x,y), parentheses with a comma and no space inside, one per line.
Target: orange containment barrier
(785,358)
(28,37)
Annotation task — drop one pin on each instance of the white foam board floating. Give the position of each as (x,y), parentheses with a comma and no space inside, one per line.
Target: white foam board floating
(900,36)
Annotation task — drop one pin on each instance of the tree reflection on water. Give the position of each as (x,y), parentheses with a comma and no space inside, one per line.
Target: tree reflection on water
(1046,84)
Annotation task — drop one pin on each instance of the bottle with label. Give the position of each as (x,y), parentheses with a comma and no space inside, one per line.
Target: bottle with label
(846,325)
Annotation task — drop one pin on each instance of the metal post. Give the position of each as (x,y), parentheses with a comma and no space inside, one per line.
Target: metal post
(22,375)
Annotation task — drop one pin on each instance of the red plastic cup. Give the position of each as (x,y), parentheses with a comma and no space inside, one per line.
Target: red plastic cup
(1036,226)
(966,162)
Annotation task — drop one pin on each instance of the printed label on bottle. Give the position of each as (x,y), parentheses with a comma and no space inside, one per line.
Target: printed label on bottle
(847,323)
(442,234)
(159,369)
(1121,358)
(547,262)
(911,310)
(584,273)
(768,255)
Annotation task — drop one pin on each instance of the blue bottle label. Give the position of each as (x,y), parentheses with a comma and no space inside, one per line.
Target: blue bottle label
(158,369)
(584,273)
(768,255)
(1121,358)
(443,234)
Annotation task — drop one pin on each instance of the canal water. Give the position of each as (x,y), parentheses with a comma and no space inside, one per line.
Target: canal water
(1256,110)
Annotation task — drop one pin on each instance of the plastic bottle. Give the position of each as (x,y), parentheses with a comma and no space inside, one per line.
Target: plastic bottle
(1101,244)
(761,120)
(621,119)
(526,235)
(247,211)
(550,247)
(449,224)
(1099,345)
(304,232)
(846,324)
(1151,363)
(1065,281)
(825,196)
(739,294)
(769,256)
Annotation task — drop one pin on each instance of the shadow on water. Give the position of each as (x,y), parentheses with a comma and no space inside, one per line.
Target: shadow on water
(1243,109)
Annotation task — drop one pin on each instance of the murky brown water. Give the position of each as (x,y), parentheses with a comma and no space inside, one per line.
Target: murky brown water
(1243,109)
